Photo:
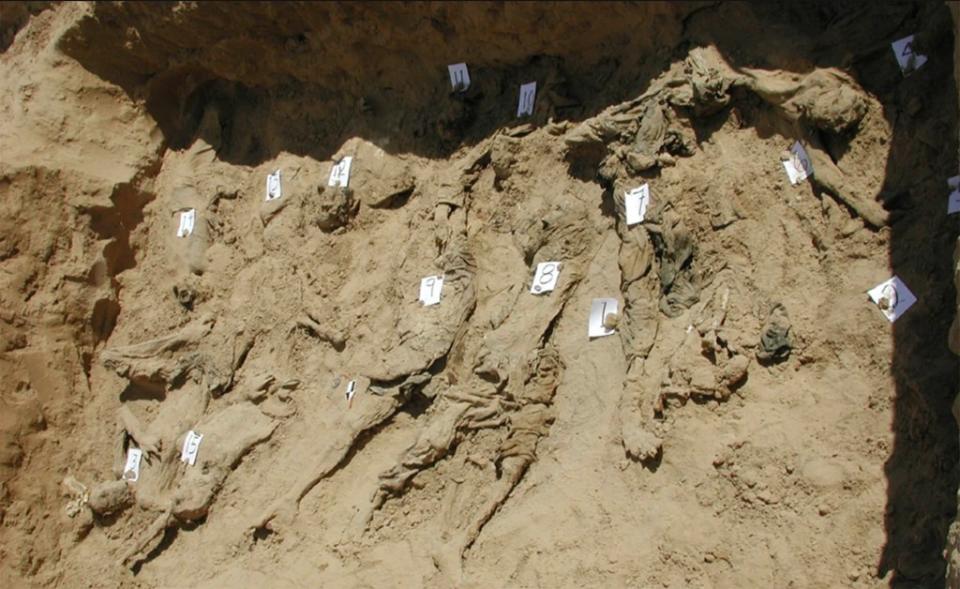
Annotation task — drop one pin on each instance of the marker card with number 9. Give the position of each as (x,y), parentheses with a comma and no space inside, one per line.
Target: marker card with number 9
(430,288)
(545,278)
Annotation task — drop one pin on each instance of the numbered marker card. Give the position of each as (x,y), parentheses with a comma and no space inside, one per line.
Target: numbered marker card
(191,445)
(599,309)
(528,94)
(953,201)
(798,166)
(635,203)
(187,219)
(340,174)
(430,288)
(459,77)
(131,470)
(545,278)
(274,190)
(906,57)
(893,297)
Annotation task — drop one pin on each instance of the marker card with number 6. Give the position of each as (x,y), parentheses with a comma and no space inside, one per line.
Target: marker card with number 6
(545,279)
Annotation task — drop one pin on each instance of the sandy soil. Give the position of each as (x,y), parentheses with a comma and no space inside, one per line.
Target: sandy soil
(752,420)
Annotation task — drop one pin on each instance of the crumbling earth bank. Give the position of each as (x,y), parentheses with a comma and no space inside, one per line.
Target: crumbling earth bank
(753,421)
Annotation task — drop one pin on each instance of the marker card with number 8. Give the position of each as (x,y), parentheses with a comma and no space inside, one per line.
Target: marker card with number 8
(546,277)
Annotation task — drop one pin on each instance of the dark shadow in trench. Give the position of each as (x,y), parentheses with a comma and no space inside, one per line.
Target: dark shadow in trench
(922,468)
(921,108)
(255,123)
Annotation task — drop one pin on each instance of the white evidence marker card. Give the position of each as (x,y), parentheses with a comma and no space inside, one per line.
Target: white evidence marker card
(191,445)
(599,309)
(351,390)
(798,167)
(274,191)
(545,278)
(430,288)
(953,201)
(906,57)
(635,202)
(459,77)
(528,94)
(131,470)
(895,296)
(187,220)
(340,173)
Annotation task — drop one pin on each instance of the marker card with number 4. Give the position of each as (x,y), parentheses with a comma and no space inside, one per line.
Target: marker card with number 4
(906,57)
(351,391)
(545,279)
(430,289)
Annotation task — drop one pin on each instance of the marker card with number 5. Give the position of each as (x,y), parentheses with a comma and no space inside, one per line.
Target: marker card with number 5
(545,279)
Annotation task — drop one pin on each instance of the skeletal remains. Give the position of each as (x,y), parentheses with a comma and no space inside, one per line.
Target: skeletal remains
(507,379)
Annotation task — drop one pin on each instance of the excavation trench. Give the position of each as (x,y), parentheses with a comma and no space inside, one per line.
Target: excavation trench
(486,440)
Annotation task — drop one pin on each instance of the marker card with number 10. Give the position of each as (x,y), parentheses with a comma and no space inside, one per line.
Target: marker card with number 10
(545,278)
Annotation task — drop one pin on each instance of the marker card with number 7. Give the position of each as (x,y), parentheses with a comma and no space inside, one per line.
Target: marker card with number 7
(545,279)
